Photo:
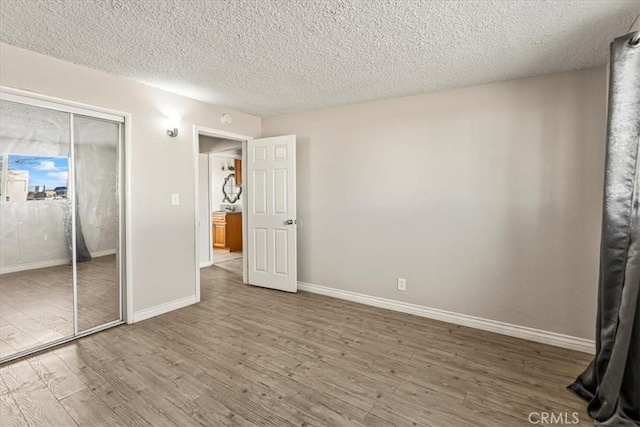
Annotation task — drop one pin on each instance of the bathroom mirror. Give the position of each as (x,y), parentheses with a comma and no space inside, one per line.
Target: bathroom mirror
(229,190)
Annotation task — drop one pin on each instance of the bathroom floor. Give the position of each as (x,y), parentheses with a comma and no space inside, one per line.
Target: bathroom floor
(231,261)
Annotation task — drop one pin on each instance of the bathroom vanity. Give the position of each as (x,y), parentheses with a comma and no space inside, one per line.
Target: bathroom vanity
(227,230)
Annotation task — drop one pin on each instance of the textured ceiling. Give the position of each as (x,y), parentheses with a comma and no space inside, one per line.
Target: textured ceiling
(275,57)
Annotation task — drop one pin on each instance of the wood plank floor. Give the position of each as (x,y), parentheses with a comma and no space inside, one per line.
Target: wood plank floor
(221,256)
(230,261)
(36,306)
(249,356)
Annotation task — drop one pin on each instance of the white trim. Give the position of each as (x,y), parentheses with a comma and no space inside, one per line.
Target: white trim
(35,265)
(245,223)
(196,205)
(128,222)
(220,133)
(210,204)
(50,263)
(120,252)
(71,195)
(537,335)
(225,155)
(209,261)
(52,103)
(98,254)
(197,131)
(38,99)
(166,307)
(209,220)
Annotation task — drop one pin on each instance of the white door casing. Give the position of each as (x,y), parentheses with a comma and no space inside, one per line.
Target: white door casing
(271,212)
(205,210)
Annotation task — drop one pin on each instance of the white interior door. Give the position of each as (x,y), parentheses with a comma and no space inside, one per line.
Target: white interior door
(271,213)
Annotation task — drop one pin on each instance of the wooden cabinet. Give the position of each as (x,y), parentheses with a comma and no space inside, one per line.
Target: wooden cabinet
(219,232)
(227,231)
(237,165)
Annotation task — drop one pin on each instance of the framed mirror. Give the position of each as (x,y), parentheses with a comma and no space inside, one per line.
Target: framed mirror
(229,190)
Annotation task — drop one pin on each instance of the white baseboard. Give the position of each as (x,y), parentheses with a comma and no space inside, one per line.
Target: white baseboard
(98,254)
(537,335)
(34,265)
(206,264)
(150,312)
(50,262)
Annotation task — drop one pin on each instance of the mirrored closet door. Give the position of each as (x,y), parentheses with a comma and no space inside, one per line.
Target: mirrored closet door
(96,144)
(61,274)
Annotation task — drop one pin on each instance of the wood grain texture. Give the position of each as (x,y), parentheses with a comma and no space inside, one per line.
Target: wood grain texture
(227,231)
(237,164)
(219,227)
(230,261)
(234,231)
(36,306)
(249,356)
(223,255)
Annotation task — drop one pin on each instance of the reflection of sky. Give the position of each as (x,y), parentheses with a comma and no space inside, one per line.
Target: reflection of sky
(49,172)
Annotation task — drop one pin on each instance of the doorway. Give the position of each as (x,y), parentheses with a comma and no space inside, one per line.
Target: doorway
(62,251)
(267,171)
(225,172)
(220,202)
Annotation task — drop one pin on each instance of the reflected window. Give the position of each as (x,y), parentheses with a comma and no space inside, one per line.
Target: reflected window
(34,178)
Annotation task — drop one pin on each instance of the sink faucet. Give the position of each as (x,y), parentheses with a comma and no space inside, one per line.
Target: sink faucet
(229,208)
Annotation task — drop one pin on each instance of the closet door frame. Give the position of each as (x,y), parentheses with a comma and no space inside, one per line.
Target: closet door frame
(124,205)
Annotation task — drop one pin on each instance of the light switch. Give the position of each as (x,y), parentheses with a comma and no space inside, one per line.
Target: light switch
(175,199)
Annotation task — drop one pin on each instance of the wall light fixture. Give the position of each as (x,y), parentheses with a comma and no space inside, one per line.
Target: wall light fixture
(173,123)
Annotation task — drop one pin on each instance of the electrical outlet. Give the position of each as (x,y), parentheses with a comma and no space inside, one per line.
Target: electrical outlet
(402,284)
(175,199)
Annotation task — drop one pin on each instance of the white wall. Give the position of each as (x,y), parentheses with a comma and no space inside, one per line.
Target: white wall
(210,144)
(204,211)
(163,249)
(487,199)
(34,233)
(217,180)
(210,187)
(211,184)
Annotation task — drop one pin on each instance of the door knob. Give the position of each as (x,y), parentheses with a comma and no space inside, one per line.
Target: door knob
(290,221)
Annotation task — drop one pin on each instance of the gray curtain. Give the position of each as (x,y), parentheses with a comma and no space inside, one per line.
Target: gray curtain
(611,383)
(82,251)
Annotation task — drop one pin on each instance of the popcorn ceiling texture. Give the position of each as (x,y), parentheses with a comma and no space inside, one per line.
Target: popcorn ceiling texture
(275,57)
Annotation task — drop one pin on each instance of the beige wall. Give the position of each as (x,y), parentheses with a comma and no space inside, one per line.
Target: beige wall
(209,144)
(487,199)
(163,249)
